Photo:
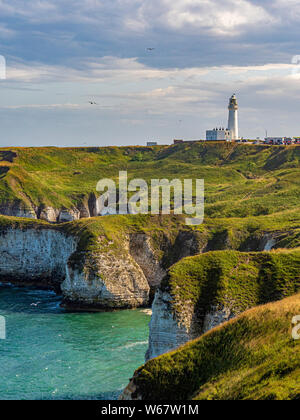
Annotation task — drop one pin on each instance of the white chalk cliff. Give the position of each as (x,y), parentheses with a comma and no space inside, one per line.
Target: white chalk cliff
(167,331)
(35,256)
(47,257)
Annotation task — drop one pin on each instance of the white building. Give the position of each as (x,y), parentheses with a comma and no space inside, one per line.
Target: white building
(232,132)
(233,125)
(218,134)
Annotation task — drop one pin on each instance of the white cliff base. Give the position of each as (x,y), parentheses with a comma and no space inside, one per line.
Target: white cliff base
(167,332)
(106,281)
(49,257)
(34,256)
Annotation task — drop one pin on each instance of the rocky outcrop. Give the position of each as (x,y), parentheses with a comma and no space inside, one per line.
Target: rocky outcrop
(48,257)
(130,393)
(115,275)
(49,214)
(202,292)
(106,281)
(216,317)
(68,215)
(165,333)
(87,206)
(84,211)
(52,215)
(168,331)
(17,209)
(255,342)
(268,242)
(143,253)
(112,277)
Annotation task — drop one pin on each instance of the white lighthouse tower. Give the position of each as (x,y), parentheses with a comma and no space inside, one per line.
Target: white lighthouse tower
(233,125)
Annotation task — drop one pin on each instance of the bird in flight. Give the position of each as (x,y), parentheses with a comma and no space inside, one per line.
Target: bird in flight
(92,103)
(35,304)
(150,49)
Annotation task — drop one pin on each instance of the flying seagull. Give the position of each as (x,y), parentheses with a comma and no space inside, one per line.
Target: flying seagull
(92,103)
(35,304)
(150,49)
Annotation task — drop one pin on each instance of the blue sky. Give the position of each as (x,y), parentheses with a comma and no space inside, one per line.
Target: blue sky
(61,54)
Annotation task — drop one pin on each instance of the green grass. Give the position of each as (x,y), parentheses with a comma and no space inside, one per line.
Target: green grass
(232,279)
(249,191)
(241,180)
(251,357)
(110,232)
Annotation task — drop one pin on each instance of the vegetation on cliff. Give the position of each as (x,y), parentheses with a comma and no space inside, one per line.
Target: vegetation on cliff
(251,357)
(100,234)
(233,280)
(251,197)
(241,180)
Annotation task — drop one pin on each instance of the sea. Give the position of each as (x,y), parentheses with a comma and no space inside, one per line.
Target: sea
(52,354)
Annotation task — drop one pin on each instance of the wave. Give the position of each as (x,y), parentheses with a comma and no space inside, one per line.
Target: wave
(130,345)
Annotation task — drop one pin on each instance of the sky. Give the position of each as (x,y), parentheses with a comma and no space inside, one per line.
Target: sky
(155,69)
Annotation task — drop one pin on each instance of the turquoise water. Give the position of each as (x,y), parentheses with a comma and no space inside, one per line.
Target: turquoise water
(52,354)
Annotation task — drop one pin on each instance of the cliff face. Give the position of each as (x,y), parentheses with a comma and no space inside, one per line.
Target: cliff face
(142,252)
(92,271)
(165,332)
(205,291)
(250,358)
(90,206)
(105,279)
(17,209)
(168,331)
(35,257)
(102,263)
(46,213)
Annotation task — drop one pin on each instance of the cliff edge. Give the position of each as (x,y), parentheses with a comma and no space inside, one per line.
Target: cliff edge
(206,290)
(252,357)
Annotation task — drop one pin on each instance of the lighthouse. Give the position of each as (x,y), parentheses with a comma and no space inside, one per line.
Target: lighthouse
(233,125)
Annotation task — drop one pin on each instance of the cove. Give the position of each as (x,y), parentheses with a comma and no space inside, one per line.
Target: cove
(53,354)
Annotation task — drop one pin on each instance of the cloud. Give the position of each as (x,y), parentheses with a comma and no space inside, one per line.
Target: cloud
(127,88)
(43,106)
(33,10)
(6,32)
(227,17)
(47,11)
(204,51)
(118,69)
(288,9)
(220,17)
(185,32)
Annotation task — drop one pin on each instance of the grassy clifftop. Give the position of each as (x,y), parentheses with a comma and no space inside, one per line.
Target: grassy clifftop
(241,180)
(231,279)
(250,357)
(243,234)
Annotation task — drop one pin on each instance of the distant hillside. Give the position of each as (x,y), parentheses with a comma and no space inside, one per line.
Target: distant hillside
(241,180)
(251,357)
